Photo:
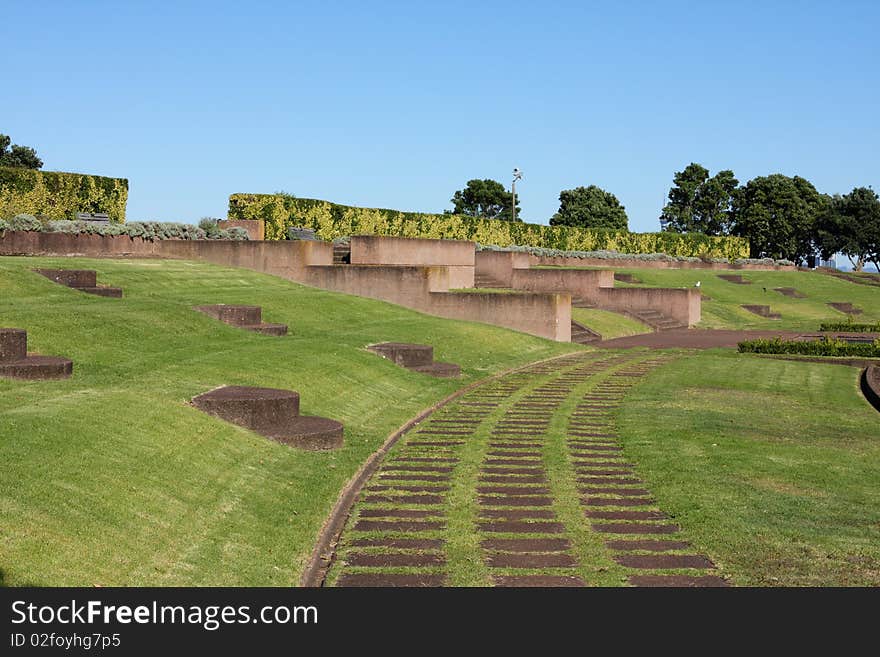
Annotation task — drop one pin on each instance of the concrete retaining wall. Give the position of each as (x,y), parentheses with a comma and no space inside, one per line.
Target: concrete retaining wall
(680,304)
(579,283)
(254,227)
(456,255)
(623,263)
(500,264)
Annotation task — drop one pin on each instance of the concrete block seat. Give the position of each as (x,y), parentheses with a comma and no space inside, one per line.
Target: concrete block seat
(273,413)
(761,311)
(416,357)
(16,363)
(249,318)
(84,280)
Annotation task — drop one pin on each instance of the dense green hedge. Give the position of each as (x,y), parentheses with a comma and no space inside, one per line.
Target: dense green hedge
(331,220)
(850,327)
(827,346)
(57,195)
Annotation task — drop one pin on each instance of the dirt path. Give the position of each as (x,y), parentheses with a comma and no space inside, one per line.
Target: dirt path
(520,482)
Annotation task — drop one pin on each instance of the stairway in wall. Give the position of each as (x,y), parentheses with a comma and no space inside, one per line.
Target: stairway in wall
(583,335)
(341,253)
(486,281)
(657,320)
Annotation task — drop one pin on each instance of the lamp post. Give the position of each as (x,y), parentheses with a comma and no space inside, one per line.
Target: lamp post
(517,175)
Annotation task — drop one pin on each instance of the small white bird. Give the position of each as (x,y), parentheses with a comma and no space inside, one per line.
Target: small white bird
(697,284)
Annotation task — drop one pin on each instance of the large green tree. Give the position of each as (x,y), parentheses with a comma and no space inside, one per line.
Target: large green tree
(851,225)
(699,203)
(778,215)
(13,155)
(486,199)
(590,207)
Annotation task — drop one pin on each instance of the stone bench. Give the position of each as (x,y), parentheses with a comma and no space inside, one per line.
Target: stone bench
(273,413)
(416,357)
(249,318)
(16,363)
(84,280)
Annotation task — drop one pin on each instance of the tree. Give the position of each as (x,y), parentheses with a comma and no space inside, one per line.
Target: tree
(589,207)
(778,215)
(698,203)
(851,225)
(18,156)
(486,199)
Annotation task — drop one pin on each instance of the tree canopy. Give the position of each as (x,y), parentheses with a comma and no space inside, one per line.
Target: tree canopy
(13,155)
(590,207)
(778,215)
(699,203)
(850,225)
(486,199)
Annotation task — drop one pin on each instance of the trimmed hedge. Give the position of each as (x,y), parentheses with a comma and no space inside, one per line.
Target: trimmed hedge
(827,346)
(280,212)
(58,195)
(850,327)
(147,230)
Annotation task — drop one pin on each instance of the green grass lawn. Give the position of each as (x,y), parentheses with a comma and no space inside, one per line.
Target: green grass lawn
(608,324)
(112,478)
(723,310)
(770,466)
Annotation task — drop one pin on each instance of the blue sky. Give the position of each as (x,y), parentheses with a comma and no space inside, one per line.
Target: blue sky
(398,104)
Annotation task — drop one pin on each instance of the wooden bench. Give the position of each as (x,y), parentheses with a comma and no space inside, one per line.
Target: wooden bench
(97,217)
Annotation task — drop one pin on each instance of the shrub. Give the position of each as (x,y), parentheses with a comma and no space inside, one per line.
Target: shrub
(26,222)
(4,225)
(279,212)
(209,225)
(59,195)
(827,346)
(850,327)
(235,233)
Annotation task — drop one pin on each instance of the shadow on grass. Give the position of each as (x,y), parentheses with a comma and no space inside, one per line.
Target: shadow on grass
(4,583)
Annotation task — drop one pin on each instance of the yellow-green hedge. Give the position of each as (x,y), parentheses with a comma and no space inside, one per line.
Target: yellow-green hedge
(331,220)
(59,195)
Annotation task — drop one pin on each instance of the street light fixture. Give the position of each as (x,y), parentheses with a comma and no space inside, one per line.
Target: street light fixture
(517,175)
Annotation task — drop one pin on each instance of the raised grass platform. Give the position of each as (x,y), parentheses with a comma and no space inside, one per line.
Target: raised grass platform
(84,280)
(249,318)
(416,357)
(273,413)
(16,363)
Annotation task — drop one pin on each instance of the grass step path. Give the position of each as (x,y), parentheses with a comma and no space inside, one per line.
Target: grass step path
(520,482)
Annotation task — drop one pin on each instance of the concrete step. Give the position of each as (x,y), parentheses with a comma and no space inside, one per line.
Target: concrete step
(577,302)
(484,280)
(657,320)
(581,334)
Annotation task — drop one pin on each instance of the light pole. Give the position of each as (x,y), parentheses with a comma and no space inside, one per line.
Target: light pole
(517,175)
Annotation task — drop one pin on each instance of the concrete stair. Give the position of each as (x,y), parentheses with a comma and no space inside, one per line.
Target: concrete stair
(577,302)
(416,357)
(486,281)
(657,320)
(341,253)
(581,334)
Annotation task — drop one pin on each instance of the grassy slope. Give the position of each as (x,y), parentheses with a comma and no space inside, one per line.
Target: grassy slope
(607,324)
(111,477)
(771,466)
(723,311)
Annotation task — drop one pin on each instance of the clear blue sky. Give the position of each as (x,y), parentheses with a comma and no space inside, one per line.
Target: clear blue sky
(398,104)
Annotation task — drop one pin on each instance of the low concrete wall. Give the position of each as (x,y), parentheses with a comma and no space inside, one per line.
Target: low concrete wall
(500,264)
(254,227)
(309,262)
(578,282)
(624,263)
(680,304)
(544,315)
(456,255)
(282,258)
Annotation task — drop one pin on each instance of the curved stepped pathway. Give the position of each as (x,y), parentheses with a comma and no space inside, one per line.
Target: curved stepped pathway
(519,482)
